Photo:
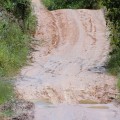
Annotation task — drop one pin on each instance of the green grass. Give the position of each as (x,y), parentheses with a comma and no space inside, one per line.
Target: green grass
(14,46)
(6,91)
(30,24)
(118,84)
(16,30)
(114,63)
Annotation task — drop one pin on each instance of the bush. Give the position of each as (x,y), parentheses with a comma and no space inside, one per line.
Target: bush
(118,84)
(15,35)
(113,16)
(22,11)
(114,21)
(72,4)
(13,47)
(113,64)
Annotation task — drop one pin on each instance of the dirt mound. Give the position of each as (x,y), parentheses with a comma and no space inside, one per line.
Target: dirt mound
(69,64)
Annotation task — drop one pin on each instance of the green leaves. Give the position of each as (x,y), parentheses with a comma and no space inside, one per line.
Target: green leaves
(9,5)
(22,11)
(15,37)
(13,47)
(113,14)
(72,4)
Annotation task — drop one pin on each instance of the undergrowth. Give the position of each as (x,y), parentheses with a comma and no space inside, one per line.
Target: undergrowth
(72,4)
(17,25)
(113,16)
(22,11)
(14,46)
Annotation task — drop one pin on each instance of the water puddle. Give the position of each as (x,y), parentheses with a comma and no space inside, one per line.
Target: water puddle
(43,104)
(87,101)
(99,107)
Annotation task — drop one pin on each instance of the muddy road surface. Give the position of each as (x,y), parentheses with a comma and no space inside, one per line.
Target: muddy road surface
(68,66)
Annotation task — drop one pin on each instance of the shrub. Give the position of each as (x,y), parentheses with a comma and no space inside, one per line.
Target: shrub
(114,21)
(118,84)
(15,35)
(13,47)
(113,16)
(22,11)
(72,4)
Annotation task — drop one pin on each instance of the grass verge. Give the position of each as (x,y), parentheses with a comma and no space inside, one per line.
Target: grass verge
(14,46)
(6,91)
(17,25)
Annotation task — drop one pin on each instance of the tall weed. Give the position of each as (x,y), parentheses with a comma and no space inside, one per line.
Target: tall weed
(14,46)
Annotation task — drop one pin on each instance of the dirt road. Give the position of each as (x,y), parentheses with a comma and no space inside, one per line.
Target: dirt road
(71,48)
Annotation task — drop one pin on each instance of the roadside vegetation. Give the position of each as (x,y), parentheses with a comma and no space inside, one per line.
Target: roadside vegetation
(113,17)
(6,91)
(72,4)
(17,26)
